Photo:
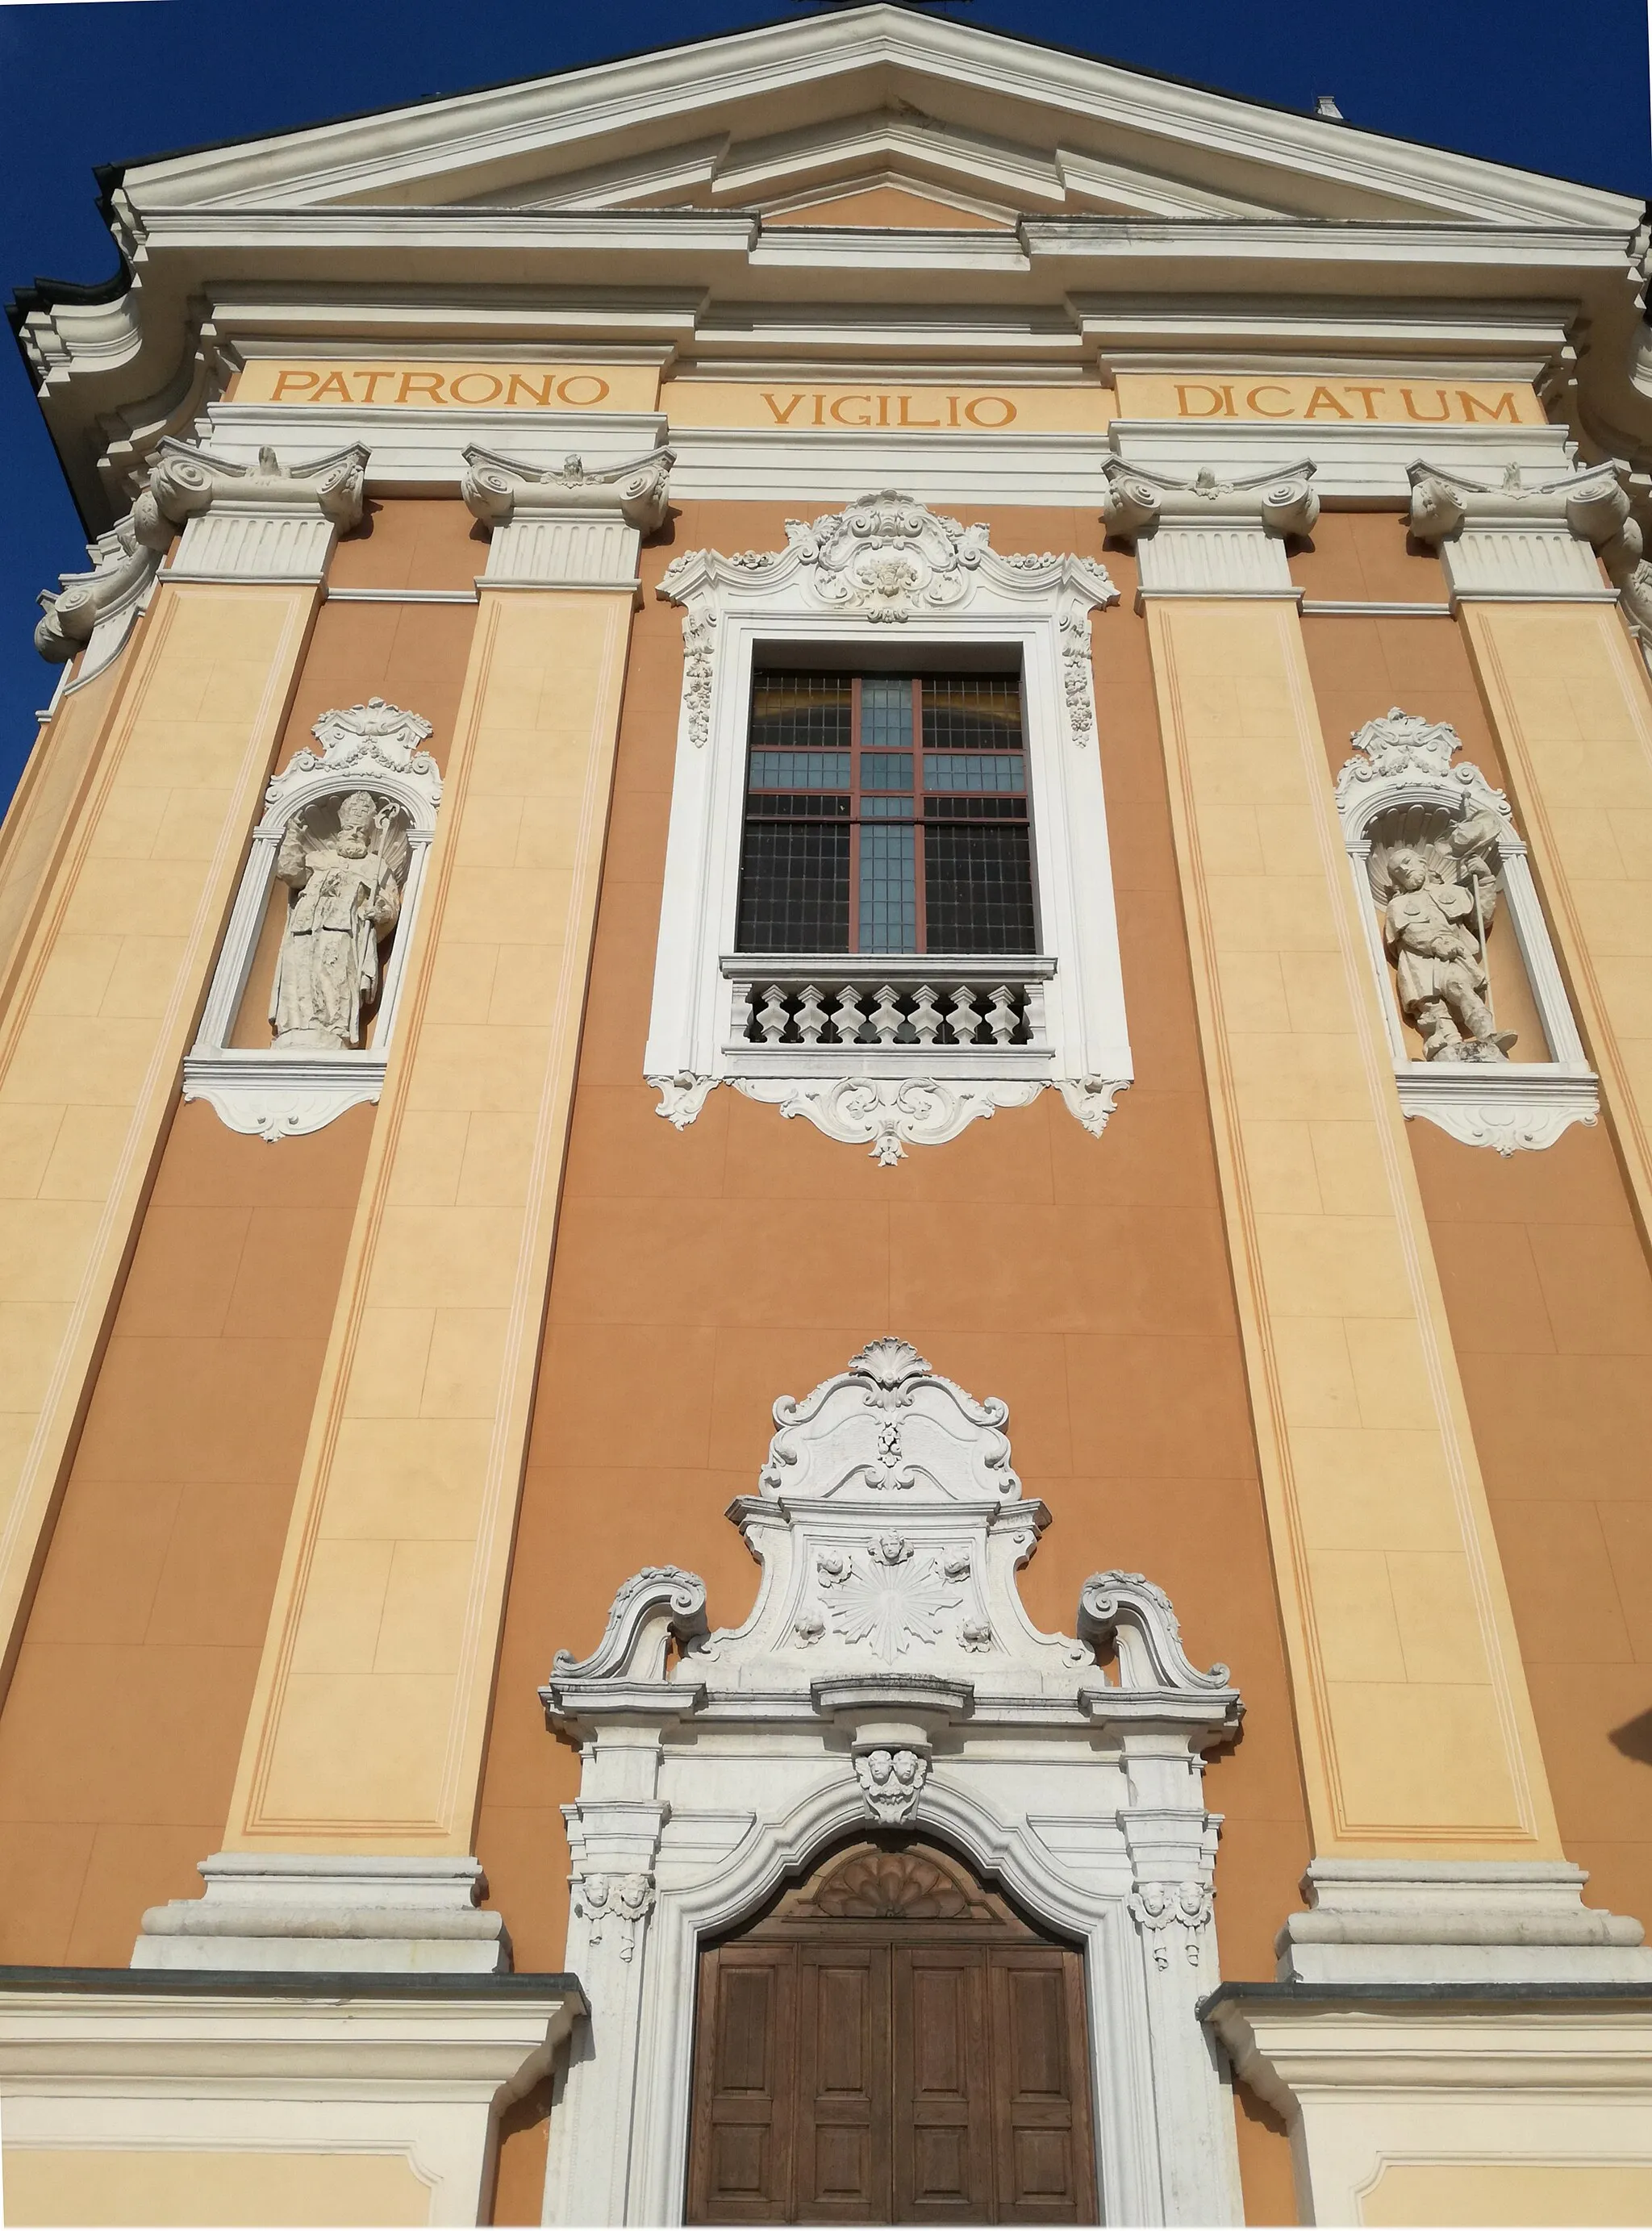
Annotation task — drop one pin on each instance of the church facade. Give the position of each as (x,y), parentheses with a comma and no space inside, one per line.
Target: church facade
(826,1068)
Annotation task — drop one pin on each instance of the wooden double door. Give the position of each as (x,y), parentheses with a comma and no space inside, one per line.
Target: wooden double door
(891,2044)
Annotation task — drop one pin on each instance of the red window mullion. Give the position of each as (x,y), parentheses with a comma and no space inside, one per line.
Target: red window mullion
(922,880)
(854,816)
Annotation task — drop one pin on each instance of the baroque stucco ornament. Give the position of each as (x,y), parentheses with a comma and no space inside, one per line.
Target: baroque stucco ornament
(1435,851)
(887,1676)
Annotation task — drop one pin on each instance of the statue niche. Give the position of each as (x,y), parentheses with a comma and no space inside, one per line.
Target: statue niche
(347,883)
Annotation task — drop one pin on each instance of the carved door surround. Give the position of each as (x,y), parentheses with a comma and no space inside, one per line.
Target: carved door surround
(891,2043)
(889,1679)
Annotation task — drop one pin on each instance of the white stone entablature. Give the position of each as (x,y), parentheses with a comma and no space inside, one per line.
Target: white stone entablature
(888,1674)
(888,582)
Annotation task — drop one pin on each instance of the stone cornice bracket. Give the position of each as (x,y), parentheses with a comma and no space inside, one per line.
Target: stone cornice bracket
(1528,541)
(94,612)
(1126,1613)
(243,522)
(1207,536)
(571,529)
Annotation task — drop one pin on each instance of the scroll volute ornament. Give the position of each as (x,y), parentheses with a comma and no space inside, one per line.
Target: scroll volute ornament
(185,482)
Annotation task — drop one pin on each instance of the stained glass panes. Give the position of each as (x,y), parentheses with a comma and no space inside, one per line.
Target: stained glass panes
(886,813)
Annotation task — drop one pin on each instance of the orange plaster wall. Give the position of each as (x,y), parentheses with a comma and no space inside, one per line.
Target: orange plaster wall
(119,1737)
(698,1275)
(1550,1299)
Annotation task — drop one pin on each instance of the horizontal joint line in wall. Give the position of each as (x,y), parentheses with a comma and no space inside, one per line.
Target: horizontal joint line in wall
(1340,607)
(401,596)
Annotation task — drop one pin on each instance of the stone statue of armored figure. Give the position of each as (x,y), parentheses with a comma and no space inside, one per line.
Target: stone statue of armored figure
(346,894)
(1438,893)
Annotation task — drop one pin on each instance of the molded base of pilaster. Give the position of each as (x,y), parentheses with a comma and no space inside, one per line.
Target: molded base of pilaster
(316,1913)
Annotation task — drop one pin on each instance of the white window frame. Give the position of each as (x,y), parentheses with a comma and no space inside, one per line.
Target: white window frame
(1403,759)
(262,1090)
(889,586)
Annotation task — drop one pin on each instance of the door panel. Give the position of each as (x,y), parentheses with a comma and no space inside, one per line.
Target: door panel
(843,2085)
(740,2169)
(1040,2087)
(943,2136)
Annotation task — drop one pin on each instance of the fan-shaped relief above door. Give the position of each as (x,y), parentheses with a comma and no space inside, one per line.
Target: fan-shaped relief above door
(299,1019)
(1480,1026)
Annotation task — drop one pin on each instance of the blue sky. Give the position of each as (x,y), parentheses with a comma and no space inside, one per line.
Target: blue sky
(82,85)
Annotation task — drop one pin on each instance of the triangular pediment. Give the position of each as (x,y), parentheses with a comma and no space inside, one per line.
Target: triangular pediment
(873,117)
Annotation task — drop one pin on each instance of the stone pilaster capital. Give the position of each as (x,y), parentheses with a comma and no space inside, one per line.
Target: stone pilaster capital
(1139,501)
(1527,538)
(1210,536)
(187,483)
(501,490)
(569,528)
(103,602)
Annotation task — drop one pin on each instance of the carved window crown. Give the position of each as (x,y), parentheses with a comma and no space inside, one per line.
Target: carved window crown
(1433,850)
(371,773)
(888,1047)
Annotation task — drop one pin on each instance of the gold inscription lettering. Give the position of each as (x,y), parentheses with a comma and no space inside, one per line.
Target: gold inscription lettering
(302,380)
(1218,408)
(1427,417)
(565,388)
(838,407)
(333,389)
(1268,387)
(1369,394)
(906,421)
(1323,399)
(495,387)
(521,385)
(427,384)
(952,410)
(784,418)
(373,380)
(977,404)
(1474,408)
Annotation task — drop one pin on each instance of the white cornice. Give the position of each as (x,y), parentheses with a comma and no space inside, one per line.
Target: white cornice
(989,79)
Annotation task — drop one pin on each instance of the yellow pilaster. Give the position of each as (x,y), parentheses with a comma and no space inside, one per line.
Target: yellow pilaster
(367,1730)
(1567,695)
(1416,1729)
(116,944)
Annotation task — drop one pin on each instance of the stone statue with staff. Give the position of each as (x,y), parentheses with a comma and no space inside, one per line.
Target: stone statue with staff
(346,896)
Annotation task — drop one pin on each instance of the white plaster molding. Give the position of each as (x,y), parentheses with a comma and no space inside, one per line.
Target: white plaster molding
(566,528)
(418,451)
(1450,1921)
(889,1672)
(1210,536)
(279,1091)
(291,1911)
(1365,461)
(888,1114)
(96,611)
(1518,540)
(422,2075)
(264,522)
(1400,788)
(1549,2083)
(888,578)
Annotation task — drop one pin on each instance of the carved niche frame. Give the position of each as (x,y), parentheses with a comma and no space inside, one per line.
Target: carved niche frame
(262,1090)
(888,584)
(889,1675)
(1404,760)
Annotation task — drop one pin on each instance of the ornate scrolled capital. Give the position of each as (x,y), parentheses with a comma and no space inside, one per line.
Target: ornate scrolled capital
(108,597)
(1139,501)
(1530,537)
(185,482)
(501,490)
